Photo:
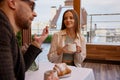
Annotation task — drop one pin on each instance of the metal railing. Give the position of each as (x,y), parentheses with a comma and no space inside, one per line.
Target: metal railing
(103,28)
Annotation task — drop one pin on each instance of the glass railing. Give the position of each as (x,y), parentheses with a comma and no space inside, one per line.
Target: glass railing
(103,28)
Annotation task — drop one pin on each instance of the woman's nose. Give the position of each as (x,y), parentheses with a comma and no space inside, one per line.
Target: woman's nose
(68,19)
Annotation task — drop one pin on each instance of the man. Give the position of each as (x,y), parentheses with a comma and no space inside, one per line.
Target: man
(16,15)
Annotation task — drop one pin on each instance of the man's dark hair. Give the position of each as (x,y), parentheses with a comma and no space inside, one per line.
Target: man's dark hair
(1,1)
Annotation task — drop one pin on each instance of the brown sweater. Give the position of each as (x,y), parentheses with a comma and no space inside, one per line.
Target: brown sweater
(12,63)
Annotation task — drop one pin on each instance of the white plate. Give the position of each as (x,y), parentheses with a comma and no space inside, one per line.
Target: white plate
(65,76)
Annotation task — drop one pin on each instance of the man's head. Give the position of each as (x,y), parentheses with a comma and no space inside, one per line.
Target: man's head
(22,12)
(1,1)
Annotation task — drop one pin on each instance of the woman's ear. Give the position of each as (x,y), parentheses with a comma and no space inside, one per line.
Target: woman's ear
(11,4)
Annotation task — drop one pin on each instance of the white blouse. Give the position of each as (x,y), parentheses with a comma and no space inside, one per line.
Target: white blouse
(58,40)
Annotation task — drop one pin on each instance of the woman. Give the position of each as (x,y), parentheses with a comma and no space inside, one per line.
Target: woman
(69,33)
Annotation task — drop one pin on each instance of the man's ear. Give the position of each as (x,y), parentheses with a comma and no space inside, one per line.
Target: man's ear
(11,4)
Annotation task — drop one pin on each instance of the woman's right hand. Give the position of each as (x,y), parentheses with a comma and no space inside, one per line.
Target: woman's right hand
(63,50)
(59,50)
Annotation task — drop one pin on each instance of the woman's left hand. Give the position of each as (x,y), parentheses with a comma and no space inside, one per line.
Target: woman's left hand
(78,49)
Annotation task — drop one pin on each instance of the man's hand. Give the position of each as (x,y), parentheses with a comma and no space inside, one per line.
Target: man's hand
(38,40)
(24,48)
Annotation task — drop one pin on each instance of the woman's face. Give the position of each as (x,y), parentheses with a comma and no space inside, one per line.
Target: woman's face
(69,20)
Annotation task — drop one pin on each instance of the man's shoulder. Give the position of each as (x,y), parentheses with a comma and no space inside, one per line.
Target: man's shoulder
(2,16)
(4,22)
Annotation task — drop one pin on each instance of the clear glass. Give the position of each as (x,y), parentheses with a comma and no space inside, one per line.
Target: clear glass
(103,18)
(34,66)
(103,28)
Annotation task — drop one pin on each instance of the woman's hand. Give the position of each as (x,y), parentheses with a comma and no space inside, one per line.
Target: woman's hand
(63,50)
(78,49)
